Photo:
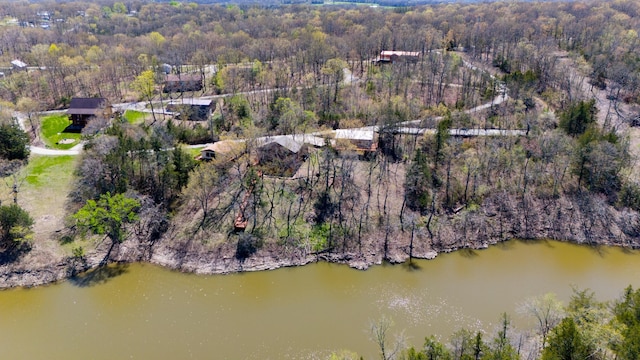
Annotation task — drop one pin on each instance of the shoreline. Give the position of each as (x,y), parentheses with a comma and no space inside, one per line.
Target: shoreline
(68,268)
(569,219)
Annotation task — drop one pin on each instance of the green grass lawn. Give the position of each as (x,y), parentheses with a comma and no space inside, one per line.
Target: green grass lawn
(52,127)
(44,186)
(54,172)
(135,117)
(45,183)
(193,151)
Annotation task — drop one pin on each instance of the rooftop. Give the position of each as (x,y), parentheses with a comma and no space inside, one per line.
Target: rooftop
(355,134)
(224,147)
(399,53)
(18,63)
(190,101)
(182,77)
(292,142)
(86,106)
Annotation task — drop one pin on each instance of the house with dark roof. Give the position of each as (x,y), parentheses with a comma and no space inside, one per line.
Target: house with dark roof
(182,83)
(82,109)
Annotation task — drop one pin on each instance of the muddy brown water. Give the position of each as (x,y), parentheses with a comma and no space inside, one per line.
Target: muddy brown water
(146,312)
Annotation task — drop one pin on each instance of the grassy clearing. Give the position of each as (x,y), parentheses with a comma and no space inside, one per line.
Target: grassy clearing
(135,117)
(43,185)
(193,151)
(53,127)
(43,188)
(52,171)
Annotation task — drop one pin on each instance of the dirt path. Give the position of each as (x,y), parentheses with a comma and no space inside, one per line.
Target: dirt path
(612,113)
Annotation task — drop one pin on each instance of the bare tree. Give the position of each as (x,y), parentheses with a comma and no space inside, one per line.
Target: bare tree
(380,334)
(547,310)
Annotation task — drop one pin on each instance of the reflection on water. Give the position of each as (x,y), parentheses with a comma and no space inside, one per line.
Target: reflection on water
(99,275)
(141,311)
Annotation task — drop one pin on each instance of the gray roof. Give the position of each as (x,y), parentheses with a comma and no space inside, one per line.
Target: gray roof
(18,63)
(292,142)
(309,139)
(284,141)
(355,134)
(191,101)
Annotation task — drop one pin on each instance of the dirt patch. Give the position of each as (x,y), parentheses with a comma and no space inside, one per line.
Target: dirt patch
(65,141)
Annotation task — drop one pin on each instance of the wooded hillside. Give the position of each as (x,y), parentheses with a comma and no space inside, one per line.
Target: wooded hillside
(490,121)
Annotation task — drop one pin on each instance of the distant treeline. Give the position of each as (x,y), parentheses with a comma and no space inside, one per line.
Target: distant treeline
(388,3)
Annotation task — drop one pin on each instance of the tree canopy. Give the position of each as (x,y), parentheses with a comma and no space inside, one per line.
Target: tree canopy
(14,143)
(578,117)
(108,216)
(15,224)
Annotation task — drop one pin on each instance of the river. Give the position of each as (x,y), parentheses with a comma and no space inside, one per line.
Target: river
(146,312)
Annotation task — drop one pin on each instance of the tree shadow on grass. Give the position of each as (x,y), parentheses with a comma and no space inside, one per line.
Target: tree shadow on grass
(99,275)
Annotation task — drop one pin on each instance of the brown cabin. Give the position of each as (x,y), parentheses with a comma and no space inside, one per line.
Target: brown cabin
(182,83)
(82,109)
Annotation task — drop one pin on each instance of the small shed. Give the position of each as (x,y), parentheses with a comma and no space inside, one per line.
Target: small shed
(82,109)
(182,83)
(192,109)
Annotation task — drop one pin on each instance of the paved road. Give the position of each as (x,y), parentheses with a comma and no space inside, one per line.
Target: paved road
(76,150)
(502,97)
(405,127)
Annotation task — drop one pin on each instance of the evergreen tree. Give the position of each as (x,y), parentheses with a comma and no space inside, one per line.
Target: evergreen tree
(627,312)
(578,117)
(417,184)
(14,143)
(566,343)
(15,225)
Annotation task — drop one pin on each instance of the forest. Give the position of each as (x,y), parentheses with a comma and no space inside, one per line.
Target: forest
(488,122)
